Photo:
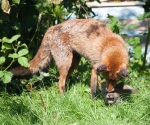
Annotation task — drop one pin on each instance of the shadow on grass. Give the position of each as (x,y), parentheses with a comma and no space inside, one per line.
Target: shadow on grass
(81,74)
(16,87)
(122,93)
(29,83)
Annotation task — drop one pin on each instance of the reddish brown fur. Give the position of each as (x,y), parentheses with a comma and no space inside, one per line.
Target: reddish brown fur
(68,41)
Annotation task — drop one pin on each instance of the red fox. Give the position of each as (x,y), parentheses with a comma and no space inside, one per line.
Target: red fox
(68,41)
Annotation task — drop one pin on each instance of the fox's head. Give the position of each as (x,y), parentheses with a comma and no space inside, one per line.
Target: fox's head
(113,66)
(113,73)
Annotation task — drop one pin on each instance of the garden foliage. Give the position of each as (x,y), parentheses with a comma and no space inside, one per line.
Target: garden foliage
(24,22)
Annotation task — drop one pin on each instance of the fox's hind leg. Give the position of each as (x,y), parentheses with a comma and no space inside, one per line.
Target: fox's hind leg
(63,72)
(66,69)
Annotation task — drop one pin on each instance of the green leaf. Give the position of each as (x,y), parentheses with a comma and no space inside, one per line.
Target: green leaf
(5,6)
(2,60)
(137,40)
(131,41)
(143,16)
(16,1)
(14,38)
(138,51)
(98,1)
(14,55)
(132,26)
(1,74)
(23,52)
(45,4)
(6,46)
(6,78)
(15,27)
(6,40)
(140,62)
(147,15)
(110,16)
(24,45)
(57,10)
(23,61)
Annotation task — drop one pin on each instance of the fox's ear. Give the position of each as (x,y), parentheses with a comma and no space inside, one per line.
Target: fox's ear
(102,68)
(123,73)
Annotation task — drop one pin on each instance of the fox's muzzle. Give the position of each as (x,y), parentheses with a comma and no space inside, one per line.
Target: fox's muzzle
(110,85)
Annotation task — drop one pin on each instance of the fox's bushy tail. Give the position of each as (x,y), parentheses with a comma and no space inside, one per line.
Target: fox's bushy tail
(38,63)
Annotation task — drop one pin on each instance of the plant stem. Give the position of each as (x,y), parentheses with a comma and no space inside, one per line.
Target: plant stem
(44,106)
(146,48)
(9,64)
(37,25)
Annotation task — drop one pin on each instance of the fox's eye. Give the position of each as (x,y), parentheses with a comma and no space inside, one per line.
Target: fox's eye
(123,73)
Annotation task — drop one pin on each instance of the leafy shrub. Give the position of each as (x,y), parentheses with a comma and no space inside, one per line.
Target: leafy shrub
(31,19)
(137,59)
(19,52)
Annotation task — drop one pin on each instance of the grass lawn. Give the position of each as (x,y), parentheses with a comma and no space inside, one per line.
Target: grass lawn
(76,107)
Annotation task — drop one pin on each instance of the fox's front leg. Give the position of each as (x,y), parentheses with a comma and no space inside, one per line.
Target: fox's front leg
(93,83)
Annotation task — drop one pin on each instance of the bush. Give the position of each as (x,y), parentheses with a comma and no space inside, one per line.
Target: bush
(23,24)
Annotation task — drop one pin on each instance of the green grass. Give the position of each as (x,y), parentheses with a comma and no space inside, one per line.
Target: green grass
(75,108)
